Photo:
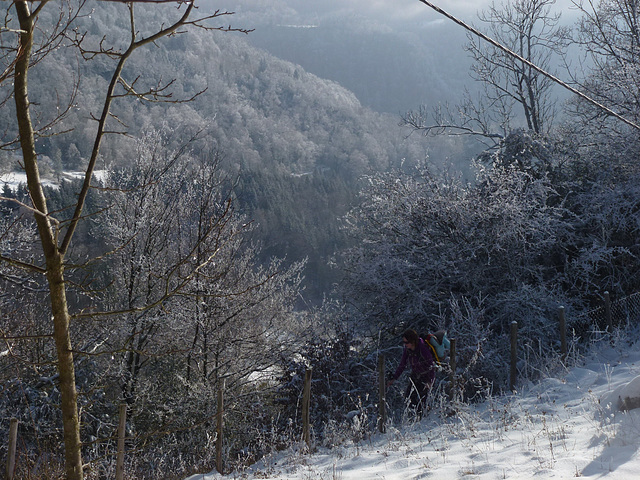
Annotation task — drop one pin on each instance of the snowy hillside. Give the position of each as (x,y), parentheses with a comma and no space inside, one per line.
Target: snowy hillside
(564,427)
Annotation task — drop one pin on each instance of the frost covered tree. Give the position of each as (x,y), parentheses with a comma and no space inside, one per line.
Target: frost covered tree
(56,236)
(429,237)
(191,309)
(601,161)
(151,261)
(430,241)
(607,34)
(542,225)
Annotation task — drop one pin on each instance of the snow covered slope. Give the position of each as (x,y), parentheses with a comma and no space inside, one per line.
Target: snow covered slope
(565,427)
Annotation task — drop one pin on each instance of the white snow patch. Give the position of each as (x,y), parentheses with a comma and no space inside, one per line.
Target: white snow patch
(14,179)
(625,397)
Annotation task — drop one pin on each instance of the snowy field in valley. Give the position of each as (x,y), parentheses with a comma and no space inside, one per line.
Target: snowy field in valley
(14,179)
(565,427)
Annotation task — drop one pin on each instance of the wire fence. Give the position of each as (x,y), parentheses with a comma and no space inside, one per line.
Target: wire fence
(612,314)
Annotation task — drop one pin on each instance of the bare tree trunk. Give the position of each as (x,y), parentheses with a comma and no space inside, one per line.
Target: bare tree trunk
(70,420)
(53,258)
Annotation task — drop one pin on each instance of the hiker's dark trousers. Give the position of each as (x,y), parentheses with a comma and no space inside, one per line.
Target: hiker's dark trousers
(417,392)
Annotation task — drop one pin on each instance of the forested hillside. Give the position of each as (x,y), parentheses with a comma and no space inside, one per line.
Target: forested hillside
(392,60)
(308,140)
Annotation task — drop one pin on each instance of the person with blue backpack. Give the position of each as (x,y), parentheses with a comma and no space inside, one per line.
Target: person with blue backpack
(419,356)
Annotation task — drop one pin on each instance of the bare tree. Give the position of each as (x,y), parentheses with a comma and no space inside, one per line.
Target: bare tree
(56,236)
(609,35)
(529,29)
(143,225)
(171,227)
(511,89)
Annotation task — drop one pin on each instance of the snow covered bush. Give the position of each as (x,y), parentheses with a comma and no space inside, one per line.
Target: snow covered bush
(344,376)
(531,233)
(430,239)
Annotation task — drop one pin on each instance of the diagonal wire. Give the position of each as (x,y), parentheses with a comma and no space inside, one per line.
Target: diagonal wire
(530,64)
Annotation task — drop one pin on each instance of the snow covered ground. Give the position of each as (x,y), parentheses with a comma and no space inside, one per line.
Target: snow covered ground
(564,427)
(14,179)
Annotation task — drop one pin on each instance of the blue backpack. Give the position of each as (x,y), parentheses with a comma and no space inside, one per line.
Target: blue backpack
(439,344)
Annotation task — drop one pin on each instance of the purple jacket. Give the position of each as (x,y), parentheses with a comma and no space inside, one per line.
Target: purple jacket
(421,361)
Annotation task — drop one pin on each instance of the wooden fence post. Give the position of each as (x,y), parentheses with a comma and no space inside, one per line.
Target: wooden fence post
(514,355)
(306,403)
(563,334)
(122,428)
(219,428)
(452,369)
(607,311)
(382,397)
(11,452)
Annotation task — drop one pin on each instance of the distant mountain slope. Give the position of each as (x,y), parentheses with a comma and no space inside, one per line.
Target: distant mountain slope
(259,110)
(302,136)
(393,62)
(388,71)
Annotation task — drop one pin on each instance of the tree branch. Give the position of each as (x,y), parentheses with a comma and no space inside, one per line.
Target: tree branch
(105,115)
(532,65)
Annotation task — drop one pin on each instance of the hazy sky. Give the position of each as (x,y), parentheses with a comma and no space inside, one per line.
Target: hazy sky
(398,10)
(382,6)
(390,9)
(391,12)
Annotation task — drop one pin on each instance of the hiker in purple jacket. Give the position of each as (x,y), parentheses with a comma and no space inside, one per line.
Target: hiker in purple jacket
(419,356)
